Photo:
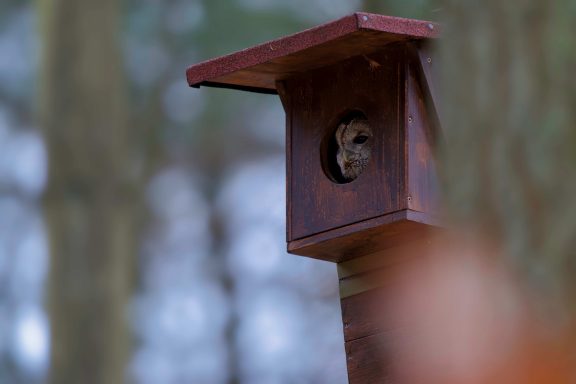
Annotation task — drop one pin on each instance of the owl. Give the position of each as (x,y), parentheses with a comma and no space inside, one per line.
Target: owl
(354,141)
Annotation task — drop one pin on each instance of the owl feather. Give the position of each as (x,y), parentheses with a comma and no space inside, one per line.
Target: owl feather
(354,141)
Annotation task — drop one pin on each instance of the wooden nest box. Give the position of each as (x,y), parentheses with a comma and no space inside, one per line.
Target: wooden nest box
(366,66)
(361,127)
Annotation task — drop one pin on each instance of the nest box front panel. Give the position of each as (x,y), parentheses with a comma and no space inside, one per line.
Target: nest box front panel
(345,142)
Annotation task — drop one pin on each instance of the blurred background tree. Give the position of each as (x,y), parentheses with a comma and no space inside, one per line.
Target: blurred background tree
(92,194)
(511,143)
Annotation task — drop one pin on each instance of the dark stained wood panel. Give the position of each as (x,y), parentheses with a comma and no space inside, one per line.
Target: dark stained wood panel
(374,311)
(366,237)
(260,67)
(318,100)
(426,58)
(421,137)
(364,314)
(369,360)
(370,286)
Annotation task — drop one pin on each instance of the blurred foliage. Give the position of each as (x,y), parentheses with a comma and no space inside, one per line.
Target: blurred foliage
(417,9)
(511,143)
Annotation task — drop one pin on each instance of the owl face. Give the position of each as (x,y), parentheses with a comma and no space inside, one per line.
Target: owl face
(354,147)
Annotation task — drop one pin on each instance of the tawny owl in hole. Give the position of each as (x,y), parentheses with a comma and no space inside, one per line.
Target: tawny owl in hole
(354,141)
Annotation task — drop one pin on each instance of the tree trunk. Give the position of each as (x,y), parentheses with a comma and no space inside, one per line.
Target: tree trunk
(510,92)
(91,195)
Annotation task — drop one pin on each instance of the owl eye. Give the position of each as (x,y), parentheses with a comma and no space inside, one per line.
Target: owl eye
(360,139)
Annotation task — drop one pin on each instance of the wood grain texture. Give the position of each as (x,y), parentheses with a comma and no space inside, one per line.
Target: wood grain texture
(374,315)
(366,237)
(384,268)
(395,199)
(426,60)
(286,99)
(421,173)
(381,259)
(363,314)
(375,311)
(319,100)
(258,68)
(369,360)
(368,311)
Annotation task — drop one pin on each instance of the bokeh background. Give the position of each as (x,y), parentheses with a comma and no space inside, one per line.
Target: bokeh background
(142,228)
(165,204)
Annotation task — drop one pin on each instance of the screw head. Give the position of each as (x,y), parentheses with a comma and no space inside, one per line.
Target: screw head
(430,26)
(365,18)
(409,119)
(429,60)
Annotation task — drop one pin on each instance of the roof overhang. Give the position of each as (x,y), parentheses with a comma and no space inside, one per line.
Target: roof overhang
(258,68)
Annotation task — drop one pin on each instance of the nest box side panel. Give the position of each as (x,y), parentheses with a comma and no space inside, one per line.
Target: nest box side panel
(372,84)
(421,139)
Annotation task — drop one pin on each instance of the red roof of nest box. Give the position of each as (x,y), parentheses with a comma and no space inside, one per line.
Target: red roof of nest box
(258,68)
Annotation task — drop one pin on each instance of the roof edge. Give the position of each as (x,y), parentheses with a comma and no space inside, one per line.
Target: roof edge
(398,25)
(209,71)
